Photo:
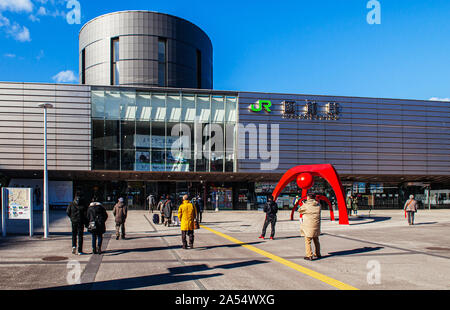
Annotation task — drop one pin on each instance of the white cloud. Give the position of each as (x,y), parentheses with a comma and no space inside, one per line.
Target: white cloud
(21,33)
(42,11)
(65,77)
(13,29)
(16,5)
(8,55)
(439,99)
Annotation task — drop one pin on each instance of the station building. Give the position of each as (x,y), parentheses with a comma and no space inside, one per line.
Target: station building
(146,120)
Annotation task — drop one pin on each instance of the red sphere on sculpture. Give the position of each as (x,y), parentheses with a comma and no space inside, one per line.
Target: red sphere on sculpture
(305,180)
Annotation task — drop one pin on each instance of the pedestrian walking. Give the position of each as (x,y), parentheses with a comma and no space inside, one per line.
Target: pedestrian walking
(271,209)
(355,203)
(310,228)
(97,217)
(160,207)
(77,212)
(410,209)
(151,202)
(187,215)
(120,212)
(167,211)
(200,208)
(349,203)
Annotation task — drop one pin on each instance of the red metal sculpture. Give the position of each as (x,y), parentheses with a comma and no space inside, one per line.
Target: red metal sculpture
(305,181)
(299,203)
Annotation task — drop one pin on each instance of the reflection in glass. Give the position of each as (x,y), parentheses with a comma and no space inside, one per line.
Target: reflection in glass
(98,104)
(133,131)
(203,108)
(173,108)
(112,104)
(158,112)
(127,145)
(217,109)
(143,108)
(188,109)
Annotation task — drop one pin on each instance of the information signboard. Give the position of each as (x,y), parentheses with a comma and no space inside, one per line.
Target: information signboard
(17,204)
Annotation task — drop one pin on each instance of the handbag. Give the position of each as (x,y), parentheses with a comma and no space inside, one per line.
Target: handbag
(92,226)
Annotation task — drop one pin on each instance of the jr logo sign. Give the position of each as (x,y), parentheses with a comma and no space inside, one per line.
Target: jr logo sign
(266,104)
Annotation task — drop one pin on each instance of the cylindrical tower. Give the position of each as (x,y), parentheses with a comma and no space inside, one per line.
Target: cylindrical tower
(143,48)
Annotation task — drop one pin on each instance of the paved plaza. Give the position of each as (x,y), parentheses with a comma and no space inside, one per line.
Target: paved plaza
(377,251)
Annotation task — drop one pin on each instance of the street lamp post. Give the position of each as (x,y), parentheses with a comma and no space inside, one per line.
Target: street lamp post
(45,106)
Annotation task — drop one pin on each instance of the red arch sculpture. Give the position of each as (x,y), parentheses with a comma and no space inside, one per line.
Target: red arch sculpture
(299,203)
(304,175)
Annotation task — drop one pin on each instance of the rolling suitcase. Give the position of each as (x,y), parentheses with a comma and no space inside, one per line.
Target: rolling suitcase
(155,218)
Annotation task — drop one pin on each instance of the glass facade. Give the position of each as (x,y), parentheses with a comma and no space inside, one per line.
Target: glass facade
(149,131)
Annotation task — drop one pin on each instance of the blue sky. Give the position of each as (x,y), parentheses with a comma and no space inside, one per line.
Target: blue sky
(321,47)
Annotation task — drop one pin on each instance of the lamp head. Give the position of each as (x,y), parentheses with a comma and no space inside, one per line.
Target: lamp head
(45,105)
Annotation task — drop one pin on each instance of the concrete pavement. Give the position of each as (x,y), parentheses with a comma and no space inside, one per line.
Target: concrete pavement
(380,252)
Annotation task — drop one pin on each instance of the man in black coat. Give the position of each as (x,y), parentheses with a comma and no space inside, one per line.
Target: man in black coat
(76,211)
(271,209)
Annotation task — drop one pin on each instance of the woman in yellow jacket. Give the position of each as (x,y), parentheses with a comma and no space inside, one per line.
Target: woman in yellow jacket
(187,215)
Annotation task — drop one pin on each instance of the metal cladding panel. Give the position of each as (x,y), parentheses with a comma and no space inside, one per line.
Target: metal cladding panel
(138,33)
(371,136)
(68,126)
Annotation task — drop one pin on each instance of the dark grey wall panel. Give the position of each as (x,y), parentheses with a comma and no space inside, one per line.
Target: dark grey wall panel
(372,136)
(21,127)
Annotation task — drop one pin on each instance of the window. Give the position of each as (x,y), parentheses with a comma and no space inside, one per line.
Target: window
(115,78)
(199,69)
(83,66)
(162,63)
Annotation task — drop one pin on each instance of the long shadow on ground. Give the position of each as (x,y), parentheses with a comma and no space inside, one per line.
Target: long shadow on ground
(174,275)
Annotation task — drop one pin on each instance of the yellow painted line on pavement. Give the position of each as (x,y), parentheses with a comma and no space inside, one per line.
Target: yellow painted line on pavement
(316,275)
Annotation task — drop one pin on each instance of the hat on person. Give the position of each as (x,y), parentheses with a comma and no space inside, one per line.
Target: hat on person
(120,199)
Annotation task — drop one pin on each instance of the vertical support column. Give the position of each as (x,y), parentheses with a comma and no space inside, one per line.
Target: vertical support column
(46,221)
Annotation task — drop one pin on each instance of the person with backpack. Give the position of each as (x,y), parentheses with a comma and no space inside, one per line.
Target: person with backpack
(77,213)
(167,211)
(120,212)
(97,217)
(271,209)
(187,215)
(410,208)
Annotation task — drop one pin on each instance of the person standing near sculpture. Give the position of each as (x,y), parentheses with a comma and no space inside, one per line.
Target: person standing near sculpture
(310,228)
(349,203)
(355,203)
(271,209)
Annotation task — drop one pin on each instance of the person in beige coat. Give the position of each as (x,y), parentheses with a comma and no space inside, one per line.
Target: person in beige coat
(410,208)
(310,228)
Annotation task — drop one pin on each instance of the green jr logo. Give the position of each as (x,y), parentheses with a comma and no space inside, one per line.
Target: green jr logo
(266,104)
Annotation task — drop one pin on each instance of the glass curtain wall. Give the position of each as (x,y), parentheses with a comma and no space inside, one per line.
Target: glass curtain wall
(149,131)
